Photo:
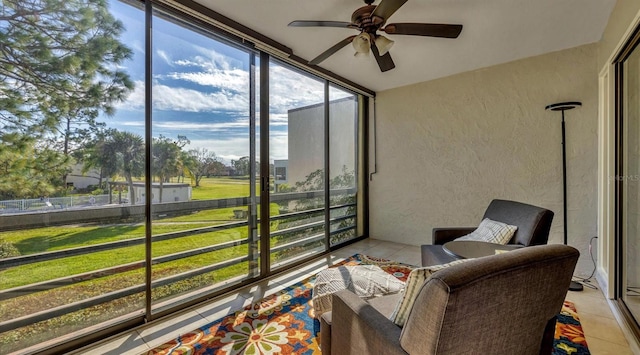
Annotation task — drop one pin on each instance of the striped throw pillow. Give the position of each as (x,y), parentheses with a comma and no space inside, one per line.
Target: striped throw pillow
(491,232)
(415,280)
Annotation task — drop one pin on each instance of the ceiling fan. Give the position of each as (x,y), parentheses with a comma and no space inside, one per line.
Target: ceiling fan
(368,20)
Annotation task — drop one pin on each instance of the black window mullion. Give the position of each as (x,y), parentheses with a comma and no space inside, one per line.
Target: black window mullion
(327,194)
(253,211)
(265,235)
(148,138)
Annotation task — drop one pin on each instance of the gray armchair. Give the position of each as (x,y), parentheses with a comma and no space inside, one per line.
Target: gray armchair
(468,308)
(533,225)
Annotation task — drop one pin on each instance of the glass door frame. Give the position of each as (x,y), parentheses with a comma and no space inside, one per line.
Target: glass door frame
(361,162)
(620,201)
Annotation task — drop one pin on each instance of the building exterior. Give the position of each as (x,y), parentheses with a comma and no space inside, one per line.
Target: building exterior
(171,192)
(81,180)
(306,139)
(280,172)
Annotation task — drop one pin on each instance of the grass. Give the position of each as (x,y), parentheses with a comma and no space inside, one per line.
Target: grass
(221,187)
(54,238)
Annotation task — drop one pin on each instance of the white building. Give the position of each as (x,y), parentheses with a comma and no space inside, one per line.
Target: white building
(79,180)
(280,172)
(306,139)
(171,192)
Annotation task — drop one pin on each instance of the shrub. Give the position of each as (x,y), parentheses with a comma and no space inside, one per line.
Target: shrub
(8,250)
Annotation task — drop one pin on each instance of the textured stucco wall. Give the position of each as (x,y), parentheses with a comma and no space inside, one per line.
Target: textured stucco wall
(447,147)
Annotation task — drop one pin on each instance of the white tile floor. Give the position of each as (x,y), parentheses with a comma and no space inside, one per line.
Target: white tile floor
(603,333)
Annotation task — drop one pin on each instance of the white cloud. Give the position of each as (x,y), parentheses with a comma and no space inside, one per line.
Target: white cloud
(236,79)
(288,90)
(133,123)
(181,99)
(210,60)
(236,147)
(278,119)
(137,46)
(203,127)
(165,56)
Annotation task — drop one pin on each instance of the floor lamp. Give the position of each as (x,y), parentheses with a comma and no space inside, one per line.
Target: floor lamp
(564,106)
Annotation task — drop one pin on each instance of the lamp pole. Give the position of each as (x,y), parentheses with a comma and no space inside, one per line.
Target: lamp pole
(563,106)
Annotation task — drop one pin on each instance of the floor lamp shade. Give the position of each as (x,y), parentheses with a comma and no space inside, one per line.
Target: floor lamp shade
(564,106)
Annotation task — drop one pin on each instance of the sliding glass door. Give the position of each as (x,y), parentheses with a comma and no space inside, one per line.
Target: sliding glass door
(297,152)
(203,164)
(343,168)
(628,182)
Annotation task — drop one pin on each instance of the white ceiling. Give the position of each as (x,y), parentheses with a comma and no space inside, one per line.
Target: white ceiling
(495,31)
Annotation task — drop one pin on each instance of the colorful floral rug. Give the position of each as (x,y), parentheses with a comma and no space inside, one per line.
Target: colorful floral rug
(284,323)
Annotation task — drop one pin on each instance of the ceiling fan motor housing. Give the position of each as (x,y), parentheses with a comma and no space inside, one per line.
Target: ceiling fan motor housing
(367,23)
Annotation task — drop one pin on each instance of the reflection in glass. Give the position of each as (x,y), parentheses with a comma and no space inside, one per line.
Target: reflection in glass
(296,150)
(202,164)
(631,184)
(343,118)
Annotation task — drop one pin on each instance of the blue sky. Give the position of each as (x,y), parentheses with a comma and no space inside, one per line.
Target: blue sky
(201,89)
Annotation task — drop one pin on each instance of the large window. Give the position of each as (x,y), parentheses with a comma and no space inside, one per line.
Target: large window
(202,159)
(72,150)
(132,178)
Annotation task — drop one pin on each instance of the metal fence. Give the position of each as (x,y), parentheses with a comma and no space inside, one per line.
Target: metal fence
(52,203)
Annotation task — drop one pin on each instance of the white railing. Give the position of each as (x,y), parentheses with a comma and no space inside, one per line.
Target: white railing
(52,203)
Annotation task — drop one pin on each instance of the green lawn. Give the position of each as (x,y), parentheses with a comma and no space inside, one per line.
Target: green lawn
(54,238)
(221,187)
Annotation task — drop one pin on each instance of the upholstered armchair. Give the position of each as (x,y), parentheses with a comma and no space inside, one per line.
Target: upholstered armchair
(533,225)
(499,304)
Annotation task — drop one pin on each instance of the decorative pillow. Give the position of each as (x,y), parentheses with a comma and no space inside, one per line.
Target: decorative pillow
(415,280)
(492,232)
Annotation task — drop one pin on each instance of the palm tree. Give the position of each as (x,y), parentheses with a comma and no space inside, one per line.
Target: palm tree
(166,160)
(128,150)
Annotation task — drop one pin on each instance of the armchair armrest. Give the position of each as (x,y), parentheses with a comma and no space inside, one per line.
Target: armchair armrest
(358,328)
(440,236)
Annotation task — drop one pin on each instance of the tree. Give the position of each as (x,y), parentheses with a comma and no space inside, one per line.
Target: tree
(128,150)
(241,166)
(30,171)
(100,155)
(59,68)
(203,163)
(166,159)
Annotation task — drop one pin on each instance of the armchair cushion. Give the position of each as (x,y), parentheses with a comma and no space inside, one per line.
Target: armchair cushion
(491,231)
(359,328)
(443,235)
(414,283)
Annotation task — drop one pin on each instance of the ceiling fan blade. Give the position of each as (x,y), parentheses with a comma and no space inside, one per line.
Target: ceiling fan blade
(305,23)
(326,54)
(424,29)
(386,8)
(384,62)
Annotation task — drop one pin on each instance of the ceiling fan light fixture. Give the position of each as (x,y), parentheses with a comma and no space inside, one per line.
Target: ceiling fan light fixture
(362,43)
(383,44)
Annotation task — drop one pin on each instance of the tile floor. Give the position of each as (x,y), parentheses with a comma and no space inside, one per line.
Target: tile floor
(603,333)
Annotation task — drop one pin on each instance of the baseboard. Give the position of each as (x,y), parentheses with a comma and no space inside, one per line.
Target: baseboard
(634,344)
(603,282)
(602,279)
